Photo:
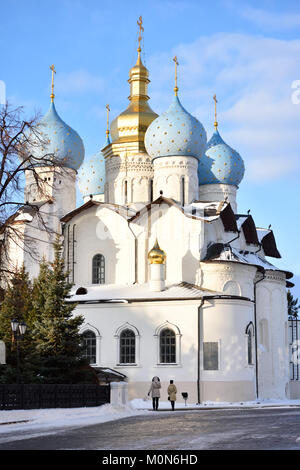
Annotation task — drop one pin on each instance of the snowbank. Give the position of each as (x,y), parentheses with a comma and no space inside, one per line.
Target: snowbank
(64,417)
(11,420)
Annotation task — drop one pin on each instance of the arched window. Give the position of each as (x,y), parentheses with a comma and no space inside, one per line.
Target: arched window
(250,335)
(89,341)
(98,275)
(182,191)
(167,346)
(127,347)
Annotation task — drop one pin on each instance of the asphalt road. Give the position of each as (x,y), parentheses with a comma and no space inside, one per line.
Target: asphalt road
(251,429)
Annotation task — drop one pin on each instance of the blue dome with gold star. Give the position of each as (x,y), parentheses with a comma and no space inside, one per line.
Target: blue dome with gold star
(220,163)
(175,133)
(60,140)
(91,176)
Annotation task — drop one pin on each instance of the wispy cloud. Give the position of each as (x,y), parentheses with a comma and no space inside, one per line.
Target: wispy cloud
(275,21)
(252,77)
(80,81)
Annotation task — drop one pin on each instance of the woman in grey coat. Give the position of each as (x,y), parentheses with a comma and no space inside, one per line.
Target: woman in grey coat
(155,392)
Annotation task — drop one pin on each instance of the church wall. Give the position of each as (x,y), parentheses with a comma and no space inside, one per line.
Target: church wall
(231,278)
(221,321)
(147,319)
(128,175)
(177,178)
(272,336)
(225,322)
(103,231)
(180,237)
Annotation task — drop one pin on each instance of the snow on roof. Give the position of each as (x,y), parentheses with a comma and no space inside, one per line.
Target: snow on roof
(122,293)
(221,252)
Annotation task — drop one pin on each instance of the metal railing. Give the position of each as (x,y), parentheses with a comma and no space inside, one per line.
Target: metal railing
(27,396)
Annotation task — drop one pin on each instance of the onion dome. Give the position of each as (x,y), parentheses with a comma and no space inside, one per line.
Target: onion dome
(59,139)
(175,133)
(91,176)
(156,255)
(131,124)
(220,163)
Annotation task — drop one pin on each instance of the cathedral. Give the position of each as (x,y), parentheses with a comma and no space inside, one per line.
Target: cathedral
(171,279)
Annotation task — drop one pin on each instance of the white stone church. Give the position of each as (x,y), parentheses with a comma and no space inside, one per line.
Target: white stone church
(172,280)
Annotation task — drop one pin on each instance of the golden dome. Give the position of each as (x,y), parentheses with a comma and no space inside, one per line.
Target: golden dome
(156,255)
(131,124)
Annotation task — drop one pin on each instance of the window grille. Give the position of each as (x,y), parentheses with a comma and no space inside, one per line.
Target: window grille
(127,347)
(89,341)
(98,269)
(167,346)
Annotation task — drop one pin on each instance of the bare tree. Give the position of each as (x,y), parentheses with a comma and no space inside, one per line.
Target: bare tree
(21,150)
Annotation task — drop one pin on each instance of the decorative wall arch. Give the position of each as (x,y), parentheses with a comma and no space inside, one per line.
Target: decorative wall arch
(232,287)
(88,327)
(120,345)
(175,329)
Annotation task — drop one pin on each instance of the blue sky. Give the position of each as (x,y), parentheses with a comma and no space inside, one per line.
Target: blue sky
(245,52)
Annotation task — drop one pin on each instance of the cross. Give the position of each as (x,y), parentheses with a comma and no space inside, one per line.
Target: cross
(176,63)
(107,129)
(215,100)
(140,22)
(52,84)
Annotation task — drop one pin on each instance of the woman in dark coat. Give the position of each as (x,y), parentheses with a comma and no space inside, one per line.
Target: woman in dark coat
(155,392)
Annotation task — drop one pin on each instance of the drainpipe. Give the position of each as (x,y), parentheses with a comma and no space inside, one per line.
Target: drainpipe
(255,329)
(73,254)
(199,345)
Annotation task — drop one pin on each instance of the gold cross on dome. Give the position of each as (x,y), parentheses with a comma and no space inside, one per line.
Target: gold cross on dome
(52,84)
(140,23)
(176,64)
(215,100)
(107,120)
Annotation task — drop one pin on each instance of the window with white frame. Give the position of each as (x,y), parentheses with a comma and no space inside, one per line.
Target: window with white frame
(89,342)
(127,347)
(167,346)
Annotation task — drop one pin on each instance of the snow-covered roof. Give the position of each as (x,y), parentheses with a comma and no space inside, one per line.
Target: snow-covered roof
(223,252)
(138,292)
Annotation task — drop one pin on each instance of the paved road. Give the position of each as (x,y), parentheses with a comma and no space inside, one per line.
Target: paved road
(188,430)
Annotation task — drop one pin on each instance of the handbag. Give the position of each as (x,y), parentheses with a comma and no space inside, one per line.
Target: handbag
(169,398)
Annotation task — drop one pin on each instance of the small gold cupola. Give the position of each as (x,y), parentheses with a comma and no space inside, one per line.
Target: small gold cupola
(131,124)
(156,255)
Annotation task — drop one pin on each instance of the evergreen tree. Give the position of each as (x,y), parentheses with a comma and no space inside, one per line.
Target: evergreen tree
(58,344)
(17,304)
(293,305)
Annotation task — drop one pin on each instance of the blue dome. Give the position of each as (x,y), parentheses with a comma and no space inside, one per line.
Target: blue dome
(60,139)
(175,133)
(220,163)
(91,175)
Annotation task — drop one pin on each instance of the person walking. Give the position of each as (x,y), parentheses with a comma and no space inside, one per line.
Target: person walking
(155,392)
(172,390)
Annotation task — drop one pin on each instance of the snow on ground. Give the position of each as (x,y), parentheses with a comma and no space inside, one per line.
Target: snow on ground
(11,420)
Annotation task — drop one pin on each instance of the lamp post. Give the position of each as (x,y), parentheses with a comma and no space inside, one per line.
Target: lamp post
(18,330)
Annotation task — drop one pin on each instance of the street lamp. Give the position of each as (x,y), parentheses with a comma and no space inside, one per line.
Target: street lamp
(15,326)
